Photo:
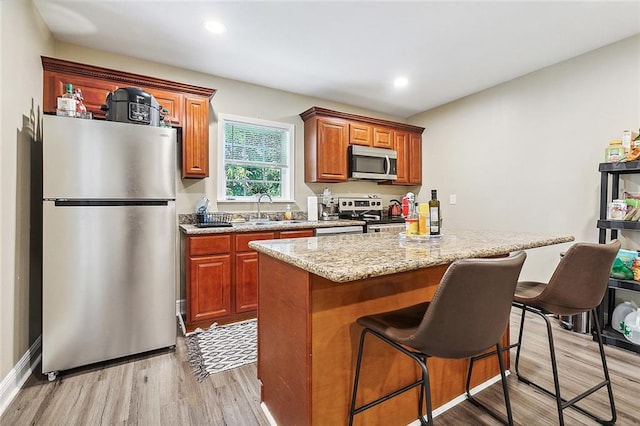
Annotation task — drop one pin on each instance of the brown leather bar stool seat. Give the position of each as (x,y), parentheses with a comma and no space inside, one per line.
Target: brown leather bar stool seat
(481,289)
(577,285)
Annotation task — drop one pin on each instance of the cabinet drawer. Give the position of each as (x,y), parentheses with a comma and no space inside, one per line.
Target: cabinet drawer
(242,240)
(300,233)
(209,244)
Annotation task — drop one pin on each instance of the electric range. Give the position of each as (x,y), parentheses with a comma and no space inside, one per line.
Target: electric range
(369,210)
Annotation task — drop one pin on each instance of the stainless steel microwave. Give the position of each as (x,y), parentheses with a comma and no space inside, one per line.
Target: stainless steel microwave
(372,163)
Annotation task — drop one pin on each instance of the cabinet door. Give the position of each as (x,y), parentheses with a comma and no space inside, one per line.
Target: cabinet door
(401,145)
(333,141)
(383,137)
(246,282)
(360,134)
(195,141)
(172,101)
(415,158)
(208,288)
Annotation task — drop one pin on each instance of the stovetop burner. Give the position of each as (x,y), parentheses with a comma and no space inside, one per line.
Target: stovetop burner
(371,216)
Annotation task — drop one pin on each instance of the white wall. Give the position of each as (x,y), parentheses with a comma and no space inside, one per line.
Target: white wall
(23,38)
(524,155)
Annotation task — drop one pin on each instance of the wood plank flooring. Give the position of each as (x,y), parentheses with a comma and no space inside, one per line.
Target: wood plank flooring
(160,389)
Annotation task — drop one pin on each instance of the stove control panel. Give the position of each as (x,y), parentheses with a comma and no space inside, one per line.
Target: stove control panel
(359,204)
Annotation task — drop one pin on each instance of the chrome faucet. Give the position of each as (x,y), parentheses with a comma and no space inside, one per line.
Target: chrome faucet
(260,199)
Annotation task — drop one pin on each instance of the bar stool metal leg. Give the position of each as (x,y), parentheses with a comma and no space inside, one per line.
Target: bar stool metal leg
(505,389)
(425,389)
(562,403)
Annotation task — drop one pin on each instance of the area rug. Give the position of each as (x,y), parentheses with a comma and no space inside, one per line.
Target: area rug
(221,348)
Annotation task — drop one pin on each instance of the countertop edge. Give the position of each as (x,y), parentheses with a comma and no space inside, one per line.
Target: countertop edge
(190,229)
(404,266)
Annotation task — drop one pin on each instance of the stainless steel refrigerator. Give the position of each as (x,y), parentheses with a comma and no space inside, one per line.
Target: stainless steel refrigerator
(109,241)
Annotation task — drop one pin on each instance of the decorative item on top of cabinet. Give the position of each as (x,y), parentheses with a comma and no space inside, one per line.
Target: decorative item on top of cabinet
(188,105)
(607,306)
(327,134)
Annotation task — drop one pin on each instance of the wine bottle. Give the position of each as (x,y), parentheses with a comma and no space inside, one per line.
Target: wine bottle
(434,213)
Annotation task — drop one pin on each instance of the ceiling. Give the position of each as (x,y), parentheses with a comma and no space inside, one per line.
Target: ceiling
(350,52)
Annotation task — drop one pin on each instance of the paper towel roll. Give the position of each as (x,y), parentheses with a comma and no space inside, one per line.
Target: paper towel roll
(312,208)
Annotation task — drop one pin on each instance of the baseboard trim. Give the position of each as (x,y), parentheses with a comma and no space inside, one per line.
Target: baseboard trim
(461,398)
(19,374)
(267,414)
(457,400)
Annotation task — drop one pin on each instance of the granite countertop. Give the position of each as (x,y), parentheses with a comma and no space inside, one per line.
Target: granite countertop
(274,225)
(343,258)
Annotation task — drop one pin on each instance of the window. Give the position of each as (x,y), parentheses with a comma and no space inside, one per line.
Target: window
(256,157)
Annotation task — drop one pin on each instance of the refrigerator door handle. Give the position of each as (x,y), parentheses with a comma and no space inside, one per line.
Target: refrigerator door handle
(109,203)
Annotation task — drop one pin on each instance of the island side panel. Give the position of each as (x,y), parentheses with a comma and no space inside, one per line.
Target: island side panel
(335,338)
(335,308)
(284,342)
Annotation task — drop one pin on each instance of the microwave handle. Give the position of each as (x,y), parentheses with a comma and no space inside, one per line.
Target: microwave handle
(388,162)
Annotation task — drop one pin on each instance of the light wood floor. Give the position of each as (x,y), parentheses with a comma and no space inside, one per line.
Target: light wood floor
(160,389)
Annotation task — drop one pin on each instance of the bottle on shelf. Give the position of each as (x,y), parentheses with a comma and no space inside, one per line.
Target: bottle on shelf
(614,152)
(81,109)
(423,218)
(411,219)
(287,213)
(434,213)
(166,118)
(67,102)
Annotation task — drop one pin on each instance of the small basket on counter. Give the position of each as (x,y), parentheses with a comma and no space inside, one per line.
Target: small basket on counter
(212,220)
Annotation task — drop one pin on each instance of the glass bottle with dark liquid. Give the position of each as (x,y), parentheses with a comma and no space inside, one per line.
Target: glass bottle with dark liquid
(434,213)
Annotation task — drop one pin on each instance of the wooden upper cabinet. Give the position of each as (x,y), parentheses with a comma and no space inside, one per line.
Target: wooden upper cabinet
(333,140)
(360,134)
(328,133)
(383,137)
(188,105)
(325,150)
(195,154)
(415,158)
(401,145)
(173,102)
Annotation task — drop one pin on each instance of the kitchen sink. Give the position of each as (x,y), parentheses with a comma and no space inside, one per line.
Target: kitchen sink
(267,222)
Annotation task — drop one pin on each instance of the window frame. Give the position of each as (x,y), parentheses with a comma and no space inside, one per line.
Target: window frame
(288,173)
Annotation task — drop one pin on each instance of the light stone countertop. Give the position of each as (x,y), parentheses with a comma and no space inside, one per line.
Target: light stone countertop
(274,225)
(343,258)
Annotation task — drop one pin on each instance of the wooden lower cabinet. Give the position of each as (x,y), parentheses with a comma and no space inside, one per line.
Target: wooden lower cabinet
(222,275)
(246,282)
(210,288)
(246,278)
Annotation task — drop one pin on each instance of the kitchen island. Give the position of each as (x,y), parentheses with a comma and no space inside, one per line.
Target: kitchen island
(311,291)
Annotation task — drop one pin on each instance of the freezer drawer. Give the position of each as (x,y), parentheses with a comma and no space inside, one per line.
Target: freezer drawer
(93,159)
(109,282)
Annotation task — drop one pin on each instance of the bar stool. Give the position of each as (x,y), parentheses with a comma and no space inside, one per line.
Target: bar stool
(577,285)
(480,288)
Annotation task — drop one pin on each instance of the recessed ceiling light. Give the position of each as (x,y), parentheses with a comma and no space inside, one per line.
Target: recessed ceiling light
(400,82)
(215,27)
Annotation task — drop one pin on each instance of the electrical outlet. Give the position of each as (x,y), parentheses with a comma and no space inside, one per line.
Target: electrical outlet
(453,199)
